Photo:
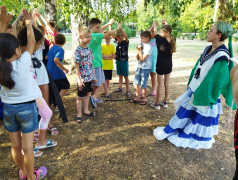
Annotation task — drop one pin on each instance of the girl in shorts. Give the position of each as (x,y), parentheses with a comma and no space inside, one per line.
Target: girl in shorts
(18,93)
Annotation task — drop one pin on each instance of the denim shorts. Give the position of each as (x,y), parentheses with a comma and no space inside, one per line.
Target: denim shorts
(122,68)
(141,77)
(100,76)
(22,117)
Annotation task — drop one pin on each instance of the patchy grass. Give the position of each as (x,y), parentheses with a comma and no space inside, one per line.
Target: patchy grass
(118,143)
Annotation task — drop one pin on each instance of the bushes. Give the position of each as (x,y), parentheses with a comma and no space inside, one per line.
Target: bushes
(130,33)
(202,35)
(175,33)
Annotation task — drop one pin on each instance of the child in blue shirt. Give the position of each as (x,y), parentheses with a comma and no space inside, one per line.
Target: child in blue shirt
(55,65)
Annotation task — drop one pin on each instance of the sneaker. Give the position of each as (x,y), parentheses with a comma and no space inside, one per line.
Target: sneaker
(154,105)
(165,104)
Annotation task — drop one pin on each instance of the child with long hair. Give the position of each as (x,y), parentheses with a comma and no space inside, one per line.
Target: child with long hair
(19,91)
(84,71)
(166,47)
(40,75)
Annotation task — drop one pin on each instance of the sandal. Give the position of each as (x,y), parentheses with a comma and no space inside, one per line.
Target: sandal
(109,96)
(154,105)
(118,90)
(36,136)
(143,103)
(90,114)
(99,101)
(49,143)
(93,102)
(79,120)
(20,175)
(134,101)
(128,94)
(40,173)
(103,95)
(53,131)
(37,153)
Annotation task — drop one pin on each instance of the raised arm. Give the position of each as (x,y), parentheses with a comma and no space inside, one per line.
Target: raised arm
(5,19)
(125,35)
(110,33)
(155,25)
(47,24)
(106,25)
(30,34)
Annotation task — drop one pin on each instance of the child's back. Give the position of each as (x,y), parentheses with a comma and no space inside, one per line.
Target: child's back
(23,78)
(55,71)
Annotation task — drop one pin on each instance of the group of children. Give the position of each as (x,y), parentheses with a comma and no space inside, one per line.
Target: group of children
(25,82)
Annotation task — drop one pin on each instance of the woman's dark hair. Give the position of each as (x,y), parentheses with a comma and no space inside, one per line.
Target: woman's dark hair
(8,45)
(22,36)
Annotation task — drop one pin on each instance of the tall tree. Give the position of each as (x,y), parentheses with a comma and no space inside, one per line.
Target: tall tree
(51,10)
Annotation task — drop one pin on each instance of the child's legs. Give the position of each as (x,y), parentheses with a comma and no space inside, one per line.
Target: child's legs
(137,92)
(153,81)
(107,83)
(46,114)
(137,82)
(127,83)
(159,87)
(62,93)
(79,106)
(100,79)
(86,102)
(125,73)
(16,148)
(144,80)
(166,85)
(120,81)
(27,146)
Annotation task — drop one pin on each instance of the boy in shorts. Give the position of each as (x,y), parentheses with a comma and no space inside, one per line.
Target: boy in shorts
(85,73)
(108,54)
(95,45)
(122,60)
(144,55)
(55,65)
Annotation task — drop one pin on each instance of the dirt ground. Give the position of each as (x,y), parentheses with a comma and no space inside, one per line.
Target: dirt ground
(119,144)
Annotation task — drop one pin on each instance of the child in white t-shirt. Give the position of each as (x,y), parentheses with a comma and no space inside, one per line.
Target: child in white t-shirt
(18,93)
(144,68)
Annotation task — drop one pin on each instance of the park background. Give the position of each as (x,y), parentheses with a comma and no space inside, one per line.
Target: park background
(118,143)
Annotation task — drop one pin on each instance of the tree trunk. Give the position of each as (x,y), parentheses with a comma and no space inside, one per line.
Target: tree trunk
(51,11)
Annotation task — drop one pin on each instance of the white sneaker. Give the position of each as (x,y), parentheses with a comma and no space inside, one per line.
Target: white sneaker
(154,105)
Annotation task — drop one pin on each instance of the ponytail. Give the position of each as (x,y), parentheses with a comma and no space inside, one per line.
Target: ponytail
(5,73)
(8,45)
(173,44)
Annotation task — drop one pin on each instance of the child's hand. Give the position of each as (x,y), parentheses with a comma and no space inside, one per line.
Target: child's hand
(111,21)
(95,81)
(81,85)
(66,71)
(156,23)
(4,17)
(138,47)
(119,26)
(27,16)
